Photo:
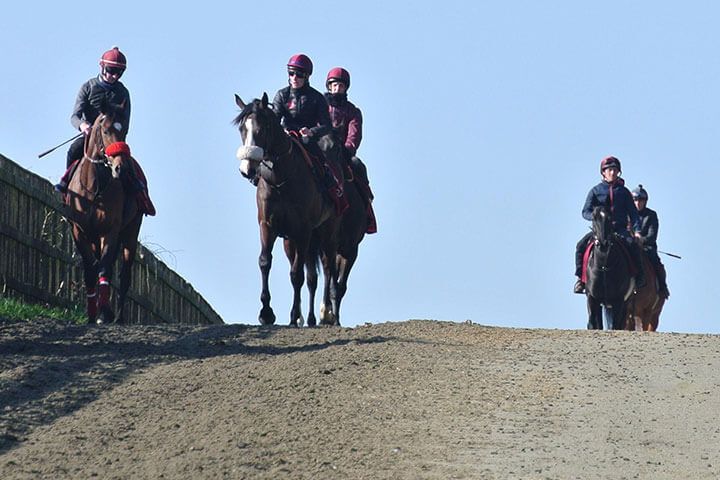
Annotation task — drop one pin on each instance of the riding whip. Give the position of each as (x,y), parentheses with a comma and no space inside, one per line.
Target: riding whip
(58,146)
(670,254)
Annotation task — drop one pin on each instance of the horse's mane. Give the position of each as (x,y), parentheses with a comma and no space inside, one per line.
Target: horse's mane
(251,107)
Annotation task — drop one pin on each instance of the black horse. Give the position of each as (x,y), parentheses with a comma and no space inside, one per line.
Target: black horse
(290,202)
(609,279)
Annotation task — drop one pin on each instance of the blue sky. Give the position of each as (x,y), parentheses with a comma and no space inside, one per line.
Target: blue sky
(485,123)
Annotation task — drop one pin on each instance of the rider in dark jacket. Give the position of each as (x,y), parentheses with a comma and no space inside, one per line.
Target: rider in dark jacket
(612,193)
(105,88)
(304,110)
(649,226)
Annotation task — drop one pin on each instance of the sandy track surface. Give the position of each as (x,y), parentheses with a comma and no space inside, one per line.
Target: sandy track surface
(410,400)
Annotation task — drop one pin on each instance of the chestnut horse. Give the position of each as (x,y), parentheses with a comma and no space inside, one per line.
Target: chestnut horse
(104,218)
(646,303)
(609,279)
(290,202)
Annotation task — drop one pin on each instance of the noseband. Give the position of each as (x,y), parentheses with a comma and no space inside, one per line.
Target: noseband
(264,159)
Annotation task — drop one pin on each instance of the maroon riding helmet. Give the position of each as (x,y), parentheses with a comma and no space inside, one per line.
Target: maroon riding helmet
(113,58)
(301,62)
(608,162)
(338,74)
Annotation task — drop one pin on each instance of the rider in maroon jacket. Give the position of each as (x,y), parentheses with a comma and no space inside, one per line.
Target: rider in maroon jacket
(346,120)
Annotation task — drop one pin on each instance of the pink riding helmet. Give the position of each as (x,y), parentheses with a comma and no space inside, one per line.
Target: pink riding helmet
(302,62)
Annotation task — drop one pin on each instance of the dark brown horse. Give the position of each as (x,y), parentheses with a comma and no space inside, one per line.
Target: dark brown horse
(646,303)
(353,225)
(105,219)
(290,201)
(609,280)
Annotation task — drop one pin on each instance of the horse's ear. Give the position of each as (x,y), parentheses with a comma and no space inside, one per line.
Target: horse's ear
(264,100)
(239,102)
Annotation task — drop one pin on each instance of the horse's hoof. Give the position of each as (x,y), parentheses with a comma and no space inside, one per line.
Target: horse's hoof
(266,317)
(311,322)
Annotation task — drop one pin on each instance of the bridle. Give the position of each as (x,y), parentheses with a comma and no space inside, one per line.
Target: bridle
(268,159)
(99,132)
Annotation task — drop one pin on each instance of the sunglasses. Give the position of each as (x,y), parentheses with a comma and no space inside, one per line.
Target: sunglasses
(114,70)
(295,73)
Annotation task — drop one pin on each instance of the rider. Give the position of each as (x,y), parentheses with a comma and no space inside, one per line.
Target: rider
(648,236)
(304,110)
(611,192)
(106,87)
(346,121)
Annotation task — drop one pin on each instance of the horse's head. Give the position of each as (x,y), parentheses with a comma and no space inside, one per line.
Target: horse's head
(602,226)
(106,129)
(259,129)
(118,158)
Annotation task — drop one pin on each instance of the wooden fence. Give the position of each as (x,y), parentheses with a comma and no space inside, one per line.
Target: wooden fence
(38,261)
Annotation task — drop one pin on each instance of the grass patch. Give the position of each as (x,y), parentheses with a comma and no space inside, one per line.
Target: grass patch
(13,309)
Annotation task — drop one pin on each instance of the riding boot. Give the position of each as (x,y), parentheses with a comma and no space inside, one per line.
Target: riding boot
(579,286)
(138,184)
(579,253)
(360,172)
(62,186)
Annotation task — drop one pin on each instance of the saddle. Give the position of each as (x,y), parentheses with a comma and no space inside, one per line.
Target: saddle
(142,195)
(623,247)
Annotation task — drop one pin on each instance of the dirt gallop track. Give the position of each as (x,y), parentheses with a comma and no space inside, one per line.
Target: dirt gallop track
(410,400)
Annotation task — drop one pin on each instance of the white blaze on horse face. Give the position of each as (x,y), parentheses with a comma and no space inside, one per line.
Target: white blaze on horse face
(249,152)
(249,132)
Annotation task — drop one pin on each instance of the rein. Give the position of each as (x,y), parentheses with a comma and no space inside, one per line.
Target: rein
(268,161)
(97,162)
(269,165)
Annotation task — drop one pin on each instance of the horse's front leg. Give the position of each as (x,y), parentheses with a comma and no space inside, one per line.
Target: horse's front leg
(326,313)
(129,248)
(108,255)
(344,266)
(312,282)
(620,318)
(296,253)
(267,240)
(594,314)
(90,271)
(331,315)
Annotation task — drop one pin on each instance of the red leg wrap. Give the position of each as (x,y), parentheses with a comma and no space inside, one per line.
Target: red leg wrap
(103,299)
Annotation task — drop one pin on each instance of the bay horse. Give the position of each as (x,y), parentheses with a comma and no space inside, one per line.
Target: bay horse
(646,303)
(609,279)
(353,226)
(290,202)
(104,218)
